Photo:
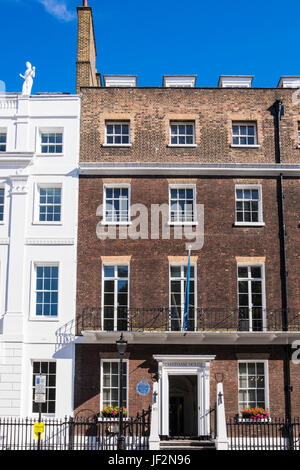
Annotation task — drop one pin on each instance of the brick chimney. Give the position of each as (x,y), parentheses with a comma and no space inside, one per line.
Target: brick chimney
(86,72)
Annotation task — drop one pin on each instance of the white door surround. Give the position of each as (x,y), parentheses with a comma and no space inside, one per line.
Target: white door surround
(184,365)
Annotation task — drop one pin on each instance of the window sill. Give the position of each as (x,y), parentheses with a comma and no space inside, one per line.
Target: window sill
(46,223)
(50,155)
(116,145)
(44,319)
(115,223)
(182,223)
(182,146)
(255,146)
(249,224)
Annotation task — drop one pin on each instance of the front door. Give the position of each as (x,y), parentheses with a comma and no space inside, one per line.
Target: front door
(183,405)
(176,412)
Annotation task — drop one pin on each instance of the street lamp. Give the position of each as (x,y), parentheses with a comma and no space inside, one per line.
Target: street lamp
(121,347)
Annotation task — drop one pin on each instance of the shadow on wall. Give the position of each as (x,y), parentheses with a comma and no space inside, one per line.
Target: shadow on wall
(65,335)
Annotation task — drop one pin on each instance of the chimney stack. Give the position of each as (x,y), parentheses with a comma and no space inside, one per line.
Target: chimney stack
(86,72)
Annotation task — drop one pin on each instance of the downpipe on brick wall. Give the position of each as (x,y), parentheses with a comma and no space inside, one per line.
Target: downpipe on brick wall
(279,113)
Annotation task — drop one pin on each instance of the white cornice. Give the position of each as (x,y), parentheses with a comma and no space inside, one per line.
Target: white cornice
(12,159)
(179,169)
(186,338)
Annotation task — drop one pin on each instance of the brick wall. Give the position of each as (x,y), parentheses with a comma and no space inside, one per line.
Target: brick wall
(216,264)
(150,110)
(142,366)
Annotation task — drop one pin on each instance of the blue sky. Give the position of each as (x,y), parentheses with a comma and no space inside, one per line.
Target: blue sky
(152,39)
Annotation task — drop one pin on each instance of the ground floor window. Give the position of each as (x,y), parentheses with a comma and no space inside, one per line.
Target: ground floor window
(252,385)
(47,368)
(110,383)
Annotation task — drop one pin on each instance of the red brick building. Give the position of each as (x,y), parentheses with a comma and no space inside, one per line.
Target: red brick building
(225,163)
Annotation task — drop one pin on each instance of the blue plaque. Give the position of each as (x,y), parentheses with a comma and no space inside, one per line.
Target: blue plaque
(143,388)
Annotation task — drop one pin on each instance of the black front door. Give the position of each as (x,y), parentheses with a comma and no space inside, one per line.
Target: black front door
(176,416)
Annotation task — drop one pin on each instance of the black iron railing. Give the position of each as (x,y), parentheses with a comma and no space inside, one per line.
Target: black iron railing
(274,434)
(75,433)
(200,319)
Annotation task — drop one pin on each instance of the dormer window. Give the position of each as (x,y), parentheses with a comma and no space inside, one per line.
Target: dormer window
(127,81)
(289,82)
(235,81)
(179,81)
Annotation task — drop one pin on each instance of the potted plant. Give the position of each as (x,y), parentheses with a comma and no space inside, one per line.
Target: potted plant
(255,414)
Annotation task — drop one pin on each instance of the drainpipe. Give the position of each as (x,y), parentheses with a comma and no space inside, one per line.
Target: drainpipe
(279,112)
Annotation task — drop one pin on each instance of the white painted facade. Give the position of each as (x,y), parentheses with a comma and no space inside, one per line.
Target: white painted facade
(26,242)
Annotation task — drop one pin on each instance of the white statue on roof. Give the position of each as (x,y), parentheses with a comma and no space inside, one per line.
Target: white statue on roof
(28,79)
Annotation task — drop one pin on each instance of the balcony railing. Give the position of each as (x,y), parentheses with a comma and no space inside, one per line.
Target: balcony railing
(200,319)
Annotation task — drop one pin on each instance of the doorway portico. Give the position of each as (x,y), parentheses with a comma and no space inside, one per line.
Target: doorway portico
(184,394)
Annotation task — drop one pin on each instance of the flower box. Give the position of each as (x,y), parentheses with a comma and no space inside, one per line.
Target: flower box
(113,412)
(255,415)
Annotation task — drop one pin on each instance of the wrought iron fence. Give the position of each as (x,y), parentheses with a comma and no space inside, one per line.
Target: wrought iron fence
(276,434)
(75,433)
(200,319)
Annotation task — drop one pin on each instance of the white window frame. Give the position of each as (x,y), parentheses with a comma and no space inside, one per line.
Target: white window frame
(184,186)
(117,123)
(51,130)
(182,123)
(266,370)
(36,209)
(263,283)
(116,186)
(126,361)
(3,130)
(114,263)
(247,124)
(258,187)
(298,134)
(183,293)
(34,413)
(32,313)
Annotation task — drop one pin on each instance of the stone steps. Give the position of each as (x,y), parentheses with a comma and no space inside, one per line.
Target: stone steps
(187,444)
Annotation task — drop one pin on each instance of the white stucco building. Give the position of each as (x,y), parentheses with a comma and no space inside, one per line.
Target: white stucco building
(39,152)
